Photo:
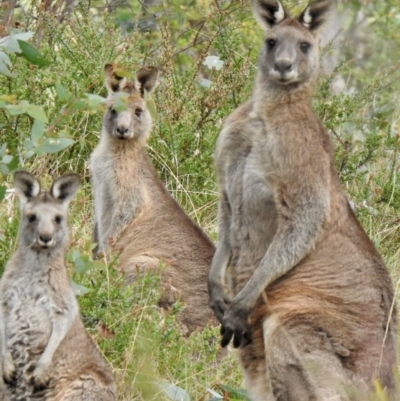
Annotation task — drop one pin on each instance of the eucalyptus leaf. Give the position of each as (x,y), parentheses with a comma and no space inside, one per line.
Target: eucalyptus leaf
(36,112)
(32,55)
(62,93)
(4,64)
(29,154)
(94,100)
(37,131)
(174,392)
(120,101)
(151,106)
(16,109)
(7,159)
(78,289)
(54,145)
(11,42)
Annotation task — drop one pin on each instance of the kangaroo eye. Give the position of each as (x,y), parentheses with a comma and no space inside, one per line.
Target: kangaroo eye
(32,218)
(113,111)
(138,112)
(304,47)
(270,43)
(58,219)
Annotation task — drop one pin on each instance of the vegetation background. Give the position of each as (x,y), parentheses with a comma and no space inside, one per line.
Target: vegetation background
(52,54)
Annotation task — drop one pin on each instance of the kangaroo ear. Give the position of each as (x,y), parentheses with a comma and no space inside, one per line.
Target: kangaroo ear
(65,187)
(317,14)
(26,185)
(268,13)
(147,79)
(113,82)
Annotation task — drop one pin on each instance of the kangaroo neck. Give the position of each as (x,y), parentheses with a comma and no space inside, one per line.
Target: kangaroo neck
(121,146)
(270,97)
(35,257)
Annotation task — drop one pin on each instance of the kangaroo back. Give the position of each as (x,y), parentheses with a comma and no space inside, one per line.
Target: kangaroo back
(45,350)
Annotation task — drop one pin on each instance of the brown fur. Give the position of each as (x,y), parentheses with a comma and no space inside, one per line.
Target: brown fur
(133,207)
(46,352)
(312,302)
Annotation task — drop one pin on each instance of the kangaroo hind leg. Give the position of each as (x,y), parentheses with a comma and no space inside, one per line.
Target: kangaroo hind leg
(301,366)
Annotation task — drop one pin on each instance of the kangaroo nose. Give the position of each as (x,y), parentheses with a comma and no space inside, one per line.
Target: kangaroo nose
(122,130)
(283,65)
(45,239)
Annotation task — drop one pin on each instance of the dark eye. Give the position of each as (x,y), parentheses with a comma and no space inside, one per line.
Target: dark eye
(58,219)
(270,43)
(138,112)
(32,218)
(304,46)
(113,112)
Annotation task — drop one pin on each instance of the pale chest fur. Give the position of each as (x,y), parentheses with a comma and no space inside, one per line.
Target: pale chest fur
(29,303)
(120,186)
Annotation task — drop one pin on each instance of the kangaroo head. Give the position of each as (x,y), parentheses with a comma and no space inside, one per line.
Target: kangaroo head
(129,119)
(290,53)
(43,224)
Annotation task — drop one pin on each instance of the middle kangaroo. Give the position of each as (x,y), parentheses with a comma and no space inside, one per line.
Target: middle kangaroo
(133,207)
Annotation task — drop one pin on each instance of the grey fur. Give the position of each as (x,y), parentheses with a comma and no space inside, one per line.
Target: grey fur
(312,300)
(46,352)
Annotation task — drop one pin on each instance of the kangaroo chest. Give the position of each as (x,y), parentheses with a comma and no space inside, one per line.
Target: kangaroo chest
(27,307)
(253,213)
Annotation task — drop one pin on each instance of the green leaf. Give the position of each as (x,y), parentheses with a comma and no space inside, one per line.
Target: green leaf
(7,159)
(32,55)
(73,254)
(78,105)
(3,149)
(62,93)
(151,106)
(11,42)
(174,392)
(4,62)
(54,145)
(36,112)
(94,100)
(82,264)
(37,131)
(78,289)
(120,101)
(13,164)
(29,154)
(28,144)
(122,73)
(2,192)
(16,109)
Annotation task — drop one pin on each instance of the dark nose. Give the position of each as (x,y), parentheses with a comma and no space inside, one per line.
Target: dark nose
(283,66)
(122,130)
(45,238)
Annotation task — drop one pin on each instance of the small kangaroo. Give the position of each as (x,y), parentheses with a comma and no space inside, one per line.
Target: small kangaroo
(46,352)
(312,299)
(134,209)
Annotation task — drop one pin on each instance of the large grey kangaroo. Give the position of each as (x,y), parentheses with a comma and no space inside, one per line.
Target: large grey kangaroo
(134,210)
(313,306)
(46,353)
